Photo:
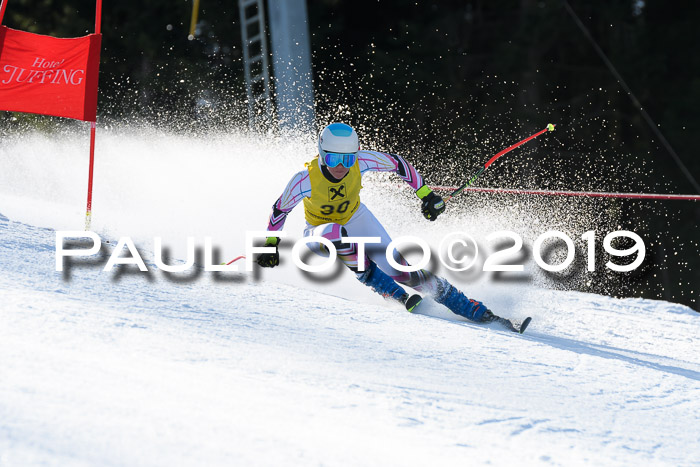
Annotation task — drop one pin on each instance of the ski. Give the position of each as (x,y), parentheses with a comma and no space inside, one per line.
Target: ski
(510,325)
(524,325)
(412,302)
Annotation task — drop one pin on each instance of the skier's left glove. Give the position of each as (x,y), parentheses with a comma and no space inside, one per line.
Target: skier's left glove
(270,260)
(433,205)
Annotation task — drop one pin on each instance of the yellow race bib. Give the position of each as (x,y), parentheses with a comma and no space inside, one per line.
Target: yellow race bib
(332,202)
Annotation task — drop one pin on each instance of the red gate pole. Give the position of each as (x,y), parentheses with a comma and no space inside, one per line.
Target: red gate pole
(88,212)
(98,16)
(3,5)
(93,127)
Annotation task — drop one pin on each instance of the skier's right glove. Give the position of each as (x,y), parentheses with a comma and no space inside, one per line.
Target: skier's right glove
(270,260)
(433,205)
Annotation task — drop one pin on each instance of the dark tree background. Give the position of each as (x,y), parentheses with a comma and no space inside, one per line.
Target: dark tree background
(449,84)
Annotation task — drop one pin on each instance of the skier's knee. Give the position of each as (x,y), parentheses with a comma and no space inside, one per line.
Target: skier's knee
(418,278)
(336,240)
(333,233)
(423,281)
(347,252)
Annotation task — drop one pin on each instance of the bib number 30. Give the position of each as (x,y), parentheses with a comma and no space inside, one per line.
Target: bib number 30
(328,209)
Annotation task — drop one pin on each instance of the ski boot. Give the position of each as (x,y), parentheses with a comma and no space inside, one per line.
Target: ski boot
(387,287)
(448,295)
(457,302)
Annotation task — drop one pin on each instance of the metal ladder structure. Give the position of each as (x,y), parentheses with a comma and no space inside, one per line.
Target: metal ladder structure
(255,63)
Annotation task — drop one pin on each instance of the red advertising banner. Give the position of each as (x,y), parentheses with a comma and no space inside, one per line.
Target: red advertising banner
(48,75)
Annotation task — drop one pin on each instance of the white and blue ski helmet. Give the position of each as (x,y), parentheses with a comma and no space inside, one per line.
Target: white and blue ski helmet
(337,138)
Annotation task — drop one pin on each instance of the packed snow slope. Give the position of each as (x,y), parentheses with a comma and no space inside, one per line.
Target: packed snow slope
(131,368)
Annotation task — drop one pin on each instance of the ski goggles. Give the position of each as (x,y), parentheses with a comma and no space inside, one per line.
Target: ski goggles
(334,159)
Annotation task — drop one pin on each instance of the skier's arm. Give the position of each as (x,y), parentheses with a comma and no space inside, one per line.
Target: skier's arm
(297,189)
(374,161)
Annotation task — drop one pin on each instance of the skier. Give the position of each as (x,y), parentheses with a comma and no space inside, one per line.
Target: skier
(329,187)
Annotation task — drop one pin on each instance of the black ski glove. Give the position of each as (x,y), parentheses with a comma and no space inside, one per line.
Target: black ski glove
(433,205)
(270,260)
